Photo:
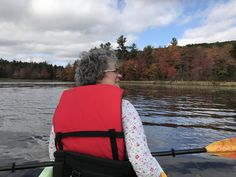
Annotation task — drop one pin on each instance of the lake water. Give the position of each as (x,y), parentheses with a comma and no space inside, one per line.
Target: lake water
(172,118)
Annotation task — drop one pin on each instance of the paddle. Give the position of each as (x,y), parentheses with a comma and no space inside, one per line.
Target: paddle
(14,167)
(224,148)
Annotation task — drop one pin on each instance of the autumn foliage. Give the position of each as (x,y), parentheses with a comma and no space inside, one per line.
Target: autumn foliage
(193,62)
(199,62)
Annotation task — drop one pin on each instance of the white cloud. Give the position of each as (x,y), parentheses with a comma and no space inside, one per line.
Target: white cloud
(61,29)
(218,25)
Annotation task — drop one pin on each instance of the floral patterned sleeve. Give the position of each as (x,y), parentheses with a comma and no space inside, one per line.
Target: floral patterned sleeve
(52,147)
(136,144)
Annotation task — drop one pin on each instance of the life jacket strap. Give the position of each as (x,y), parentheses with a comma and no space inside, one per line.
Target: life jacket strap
(111,133)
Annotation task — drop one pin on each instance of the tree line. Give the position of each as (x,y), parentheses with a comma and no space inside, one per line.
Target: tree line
(32,70)
(197,62)
(203,62)
(192,62)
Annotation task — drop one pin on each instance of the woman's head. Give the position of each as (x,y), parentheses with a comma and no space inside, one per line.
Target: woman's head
(97,66)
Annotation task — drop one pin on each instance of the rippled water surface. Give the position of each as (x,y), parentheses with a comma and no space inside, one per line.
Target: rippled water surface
(172,118)
(183,118)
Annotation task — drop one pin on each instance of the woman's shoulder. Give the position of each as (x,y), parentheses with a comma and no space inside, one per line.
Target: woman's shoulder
(125,102)
(127,105)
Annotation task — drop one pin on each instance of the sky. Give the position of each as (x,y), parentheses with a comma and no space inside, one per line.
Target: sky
(57,31)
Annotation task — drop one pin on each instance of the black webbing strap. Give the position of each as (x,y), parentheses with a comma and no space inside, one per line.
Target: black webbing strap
(113,142)
(91,134)
(111,133)
(58,141)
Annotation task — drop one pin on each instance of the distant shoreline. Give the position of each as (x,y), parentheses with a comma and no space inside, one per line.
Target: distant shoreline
(183,83)
(31,83)
(197,84)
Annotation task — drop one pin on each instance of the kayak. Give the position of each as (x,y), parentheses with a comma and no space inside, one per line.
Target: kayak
(47,172)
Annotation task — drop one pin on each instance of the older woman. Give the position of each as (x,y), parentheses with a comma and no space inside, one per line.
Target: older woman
(110,125)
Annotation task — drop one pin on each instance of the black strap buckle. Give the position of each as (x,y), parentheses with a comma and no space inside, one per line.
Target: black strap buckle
(75,173)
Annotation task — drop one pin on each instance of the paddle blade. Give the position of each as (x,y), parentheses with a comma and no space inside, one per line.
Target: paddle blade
(224,148)
(230,155)
(163,174)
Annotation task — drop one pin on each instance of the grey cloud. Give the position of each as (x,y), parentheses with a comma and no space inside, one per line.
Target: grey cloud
(5,42)
(13,10)
(28,28)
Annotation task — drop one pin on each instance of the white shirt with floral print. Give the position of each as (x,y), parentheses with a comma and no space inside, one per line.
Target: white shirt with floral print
(136,144)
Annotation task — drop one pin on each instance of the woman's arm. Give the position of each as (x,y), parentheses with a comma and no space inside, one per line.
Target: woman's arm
(136,144)
(52,147)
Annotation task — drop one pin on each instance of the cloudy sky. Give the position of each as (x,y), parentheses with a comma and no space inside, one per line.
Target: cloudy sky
(57,31)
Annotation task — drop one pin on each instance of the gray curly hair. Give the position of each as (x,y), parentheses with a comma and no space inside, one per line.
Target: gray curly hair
(91,66)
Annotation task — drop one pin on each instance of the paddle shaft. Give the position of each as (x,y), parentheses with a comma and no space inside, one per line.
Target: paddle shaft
(179,152)
(172,152)
(14,167)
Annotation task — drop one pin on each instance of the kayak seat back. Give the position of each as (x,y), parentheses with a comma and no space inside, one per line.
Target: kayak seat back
(74,164)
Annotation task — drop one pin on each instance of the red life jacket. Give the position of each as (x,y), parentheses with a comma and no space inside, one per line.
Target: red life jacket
(90,108)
